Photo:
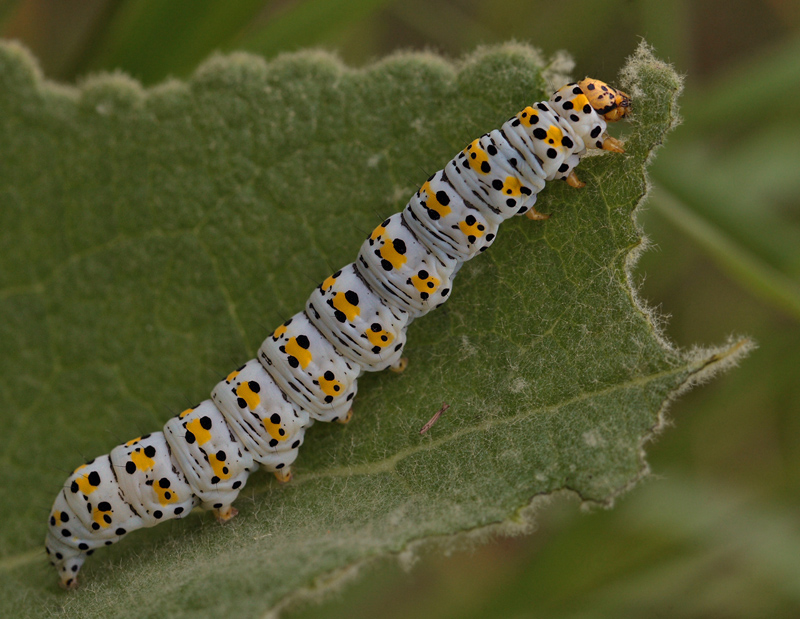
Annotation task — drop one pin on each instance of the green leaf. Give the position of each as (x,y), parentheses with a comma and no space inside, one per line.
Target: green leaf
(153,238)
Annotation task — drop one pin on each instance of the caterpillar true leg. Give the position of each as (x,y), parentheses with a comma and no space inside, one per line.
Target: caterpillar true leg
(355,321)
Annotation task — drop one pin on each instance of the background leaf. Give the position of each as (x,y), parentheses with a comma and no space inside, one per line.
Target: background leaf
(157,236)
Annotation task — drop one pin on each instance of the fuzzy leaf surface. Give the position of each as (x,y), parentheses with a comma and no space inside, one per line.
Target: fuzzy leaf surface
(153,238)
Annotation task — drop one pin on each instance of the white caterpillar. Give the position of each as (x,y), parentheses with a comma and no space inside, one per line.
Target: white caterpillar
(354,322)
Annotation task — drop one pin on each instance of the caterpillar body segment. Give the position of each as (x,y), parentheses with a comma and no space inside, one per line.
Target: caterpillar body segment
(307,367)
(450,225)
(402,270)
(269,426)
(355,321)
(210,456)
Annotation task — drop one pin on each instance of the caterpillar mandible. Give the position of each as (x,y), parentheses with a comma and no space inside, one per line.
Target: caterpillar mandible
(354,322)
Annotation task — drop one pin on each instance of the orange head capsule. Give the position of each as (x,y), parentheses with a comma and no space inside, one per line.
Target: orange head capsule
(610,103)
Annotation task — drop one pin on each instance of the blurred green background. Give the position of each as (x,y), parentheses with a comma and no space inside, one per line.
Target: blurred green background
(715,532)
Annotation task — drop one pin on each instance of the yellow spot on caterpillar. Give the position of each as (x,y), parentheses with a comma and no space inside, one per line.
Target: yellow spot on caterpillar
(579,102)
(133,441)
(274,429)
(200,433)
(512,186)
(432,202)
(184,413)
(248,395)
(298,352)
(328,283)
(525,115)
(279,332)
(229,378)
(141,460)
(379,338)
(554,135)
(330,387)
(478,158)
(97,516)
(219,466)
(389,253)
(341,303)
(83,482)
(473,230)
(165,495)
(377,232)
(428,284)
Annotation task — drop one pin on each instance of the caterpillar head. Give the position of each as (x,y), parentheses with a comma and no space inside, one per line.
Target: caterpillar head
(610,103)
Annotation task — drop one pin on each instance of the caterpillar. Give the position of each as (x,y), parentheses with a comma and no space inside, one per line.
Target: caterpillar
(354,322)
